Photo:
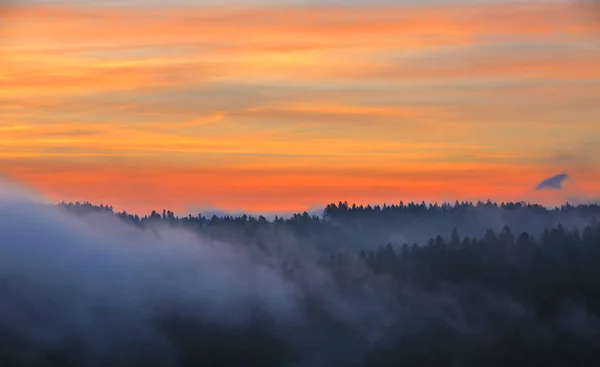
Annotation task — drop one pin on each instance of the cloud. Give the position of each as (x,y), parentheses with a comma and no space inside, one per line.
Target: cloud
(554,182)
(81,100)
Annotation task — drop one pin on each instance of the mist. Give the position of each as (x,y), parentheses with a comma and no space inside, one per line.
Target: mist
(101,287)
(82,285)
(94,290)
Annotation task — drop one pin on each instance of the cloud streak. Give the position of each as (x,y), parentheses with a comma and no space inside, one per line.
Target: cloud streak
(356,87)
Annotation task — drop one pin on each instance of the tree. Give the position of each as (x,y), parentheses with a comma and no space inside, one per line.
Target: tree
(490,238)
(506,236)
(454,239)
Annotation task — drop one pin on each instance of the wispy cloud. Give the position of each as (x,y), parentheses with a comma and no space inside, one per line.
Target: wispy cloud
(307,93)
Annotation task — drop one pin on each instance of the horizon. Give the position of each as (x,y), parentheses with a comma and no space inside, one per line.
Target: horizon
(319,211)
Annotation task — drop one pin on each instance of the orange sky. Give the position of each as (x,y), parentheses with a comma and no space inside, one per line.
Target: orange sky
(285,108)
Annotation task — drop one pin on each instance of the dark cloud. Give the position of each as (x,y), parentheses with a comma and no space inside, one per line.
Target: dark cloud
(554,182)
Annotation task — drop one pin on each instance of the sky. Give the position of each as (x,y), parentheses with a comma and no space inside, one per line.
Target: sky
(283,106)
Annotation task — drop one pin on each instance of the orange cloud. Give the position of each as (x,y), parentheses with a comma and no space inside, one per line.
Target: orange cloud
(133,24)
(279,108)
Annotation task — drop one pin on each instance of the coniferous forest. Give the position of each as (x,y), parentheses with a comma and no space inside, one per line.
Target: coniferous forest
(461,284)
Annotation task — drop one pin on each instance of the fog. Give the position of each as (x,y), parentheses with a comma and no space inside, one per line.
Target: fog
(90,287)
(95,290)
(100,285)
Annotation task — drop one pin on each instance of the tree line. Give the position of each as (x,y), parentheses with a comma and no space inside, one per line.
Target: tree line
(503,297)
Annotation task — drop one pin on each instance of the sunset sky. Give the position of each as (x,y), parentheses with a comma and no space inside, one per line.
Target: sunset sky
(283,106)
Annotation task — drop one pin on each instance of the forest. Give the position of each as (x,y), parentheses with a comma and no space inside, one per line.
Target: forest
(464,284)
